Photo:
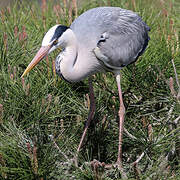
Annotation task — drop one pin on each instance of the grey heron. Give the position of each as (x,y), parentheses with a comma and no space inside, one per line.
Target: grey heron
(99,40)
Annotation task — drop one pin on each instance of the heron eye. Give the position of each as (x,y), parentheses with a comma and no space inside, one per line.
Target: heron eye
(55,42)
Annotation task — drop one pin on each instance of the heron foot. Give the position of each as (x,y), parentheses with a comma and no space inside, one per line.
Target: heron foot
(98,167)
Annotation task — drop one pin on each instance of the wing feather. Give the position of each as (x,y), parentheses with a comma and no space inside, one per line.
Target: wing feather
(127,40)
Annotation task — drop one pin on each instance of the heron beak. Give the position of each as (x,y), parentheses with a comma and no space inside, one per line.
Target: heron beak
(43,51)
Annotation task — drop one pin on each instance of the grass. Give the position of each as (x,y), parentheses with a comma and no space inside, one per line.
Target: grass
(42,117)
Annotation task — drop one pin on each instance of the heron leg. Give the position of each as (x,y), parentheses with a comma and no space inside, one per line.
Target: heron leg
(91,113)
(121,121)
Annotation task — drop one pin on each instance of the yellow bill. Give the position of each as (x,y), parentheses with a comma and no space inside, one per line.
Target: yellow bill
(43,51)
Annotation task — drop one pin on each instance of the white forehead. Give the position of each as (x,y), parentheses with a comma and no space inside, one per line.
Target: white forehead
(48,36)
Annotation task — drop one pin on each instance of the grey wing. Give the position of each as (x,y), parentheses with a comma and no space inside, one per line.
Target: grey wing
(123,42)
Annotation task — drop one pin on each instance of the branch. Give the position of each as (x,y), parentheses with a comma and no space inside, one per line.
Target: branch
(138,159)
(128,134)
(135,165)
(176,120)
(57,147)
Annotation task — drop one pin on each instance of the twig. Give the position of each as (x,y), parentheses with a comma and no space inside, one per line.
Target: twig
(135,164)
(128,134)
(176,120)
(57,147)
(138,159)
(178,95)
(158,120)
(150,132)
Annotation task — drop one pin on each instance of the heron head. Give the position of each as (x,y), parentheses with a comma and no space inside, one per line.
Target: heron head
(51,41)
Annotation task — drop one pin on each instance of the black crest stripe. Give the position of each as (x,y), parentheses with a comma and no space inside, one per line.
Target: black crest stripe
(59,31)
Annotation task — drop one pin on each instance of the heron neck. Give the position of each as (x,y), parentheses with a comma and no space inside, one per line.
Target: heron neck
(69,54)
(72,65)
